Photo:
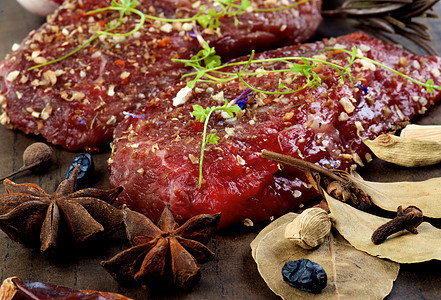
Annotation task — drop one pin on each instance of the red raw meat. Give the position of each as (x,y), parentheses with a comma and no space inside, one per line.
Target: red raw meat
(155,159)
(77,102)
(259,31)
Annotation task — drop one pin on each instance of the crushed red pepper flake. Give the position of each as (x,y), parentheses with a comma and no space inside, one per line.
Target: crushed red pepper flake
(164,42)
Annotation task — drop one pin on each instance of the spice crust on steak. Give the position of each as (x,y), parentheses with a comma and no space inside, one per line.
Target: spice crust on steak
(77,102)
(156,159)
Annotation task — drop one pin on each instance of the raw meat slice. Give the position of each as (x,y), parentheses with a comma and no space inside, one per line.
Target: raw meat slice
(77,102)
(155,159)
(256,30)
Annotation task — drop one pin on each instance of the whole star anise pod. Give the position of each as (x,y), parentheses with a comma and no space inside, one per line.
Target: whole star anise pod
(163,252)
(30,216)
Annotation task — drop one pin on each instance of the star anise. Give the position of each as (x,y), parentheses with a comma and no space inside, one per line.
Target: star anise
(164,252)
(30,216)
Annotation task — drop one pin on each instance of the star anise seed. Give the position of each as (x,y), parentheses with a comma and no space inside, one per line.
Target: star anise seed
(30,216)
(163,252)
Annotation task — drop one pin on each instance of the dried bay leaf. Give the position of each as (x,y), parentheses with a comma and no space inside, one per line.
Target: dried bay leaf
(390,195)
(357,227)
(407,152)
(283,220)
(350,272)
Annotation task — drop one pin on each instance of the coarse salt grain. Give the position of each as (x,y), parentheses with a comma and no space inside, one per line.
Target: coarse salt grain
(12,75)
(111,120)
(347,105)
(124,75)
(111,90)
(187,26)
(435,72)
(182,96)
(167,28)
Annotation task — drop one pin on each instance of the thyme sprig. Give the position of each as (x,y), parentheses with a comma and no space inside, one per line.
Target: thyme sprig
(203,115)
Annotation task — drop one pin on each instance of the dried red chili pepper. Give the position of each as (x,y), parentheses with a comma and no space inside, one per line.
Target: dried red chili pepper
(15,289)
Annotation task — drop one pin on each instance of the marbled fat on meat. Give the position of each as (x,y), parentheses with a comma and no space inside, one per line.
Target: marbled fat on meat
(77,102)
(155,159)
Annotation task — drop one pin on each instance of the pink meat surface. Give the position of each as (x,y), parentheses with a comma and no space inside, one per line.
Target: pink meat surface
(78,101)
(155,159)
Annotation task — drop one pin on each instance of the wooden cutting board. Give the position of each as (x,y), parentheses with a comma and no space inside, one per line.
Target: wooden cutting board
(233,273)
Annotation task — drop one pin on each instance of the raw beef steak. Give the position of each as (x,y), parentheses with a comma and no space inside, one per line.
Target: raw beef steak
(77,102)
(155,159)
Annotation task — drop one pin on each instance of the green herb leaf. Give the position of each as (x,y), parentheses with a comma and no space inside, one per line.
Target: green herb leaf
(430,86)
(203,115)
(203,20)
(212,71)
(353,55)
(212,139)
(200,113)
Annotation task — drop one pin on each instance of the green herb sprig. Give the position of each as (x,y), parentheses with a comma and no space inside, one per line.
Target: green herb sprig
(207,18)
(209,69)
(205,60)
(125,7)
(429,85)
(203,115)
(211,18)
(213,70)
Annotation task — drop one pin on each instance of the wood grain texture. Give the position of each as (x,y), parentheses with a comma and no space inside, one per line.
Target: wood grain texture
(233,273)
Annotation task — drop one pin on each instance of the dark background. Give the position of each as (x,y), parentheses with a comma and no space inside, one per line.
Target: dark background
(233,273)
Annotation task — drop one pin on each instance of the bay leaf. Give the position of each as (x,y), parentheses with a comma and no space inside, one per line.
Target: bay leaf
(351,273)
(282,220)
(357,227)
(390,195)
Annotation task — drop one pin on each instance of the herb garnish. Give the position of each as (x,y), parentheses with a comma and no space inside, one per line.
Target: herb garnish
(203,115)
(211,70)
(125,7)
(429,84)
(207,18)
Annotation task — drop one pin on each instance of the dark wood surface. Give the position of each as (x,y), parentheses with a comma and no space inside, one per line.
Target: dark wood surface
(233,273)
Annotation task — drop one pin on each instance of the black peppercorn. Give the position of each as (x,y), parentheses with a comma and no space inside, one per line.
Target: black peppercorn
(305,275)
